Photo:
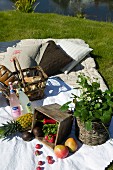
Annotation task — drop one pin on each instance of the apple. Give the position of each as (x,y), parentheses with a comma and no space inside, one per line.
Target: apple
(61,151)
(71,144)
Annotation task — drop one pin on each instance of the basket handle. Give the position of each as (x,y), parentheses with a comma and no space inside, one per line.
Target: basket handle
(18,70)
(42,72)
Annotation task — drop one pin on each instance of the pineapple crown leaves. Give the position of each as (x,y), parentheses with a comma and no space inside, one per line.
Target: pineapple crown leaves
(19,125)
(93,104)
(9,128)
(1,133)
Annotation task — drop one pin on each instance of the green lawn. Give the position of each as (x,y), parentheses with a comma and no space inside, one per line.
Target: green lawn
(99,35)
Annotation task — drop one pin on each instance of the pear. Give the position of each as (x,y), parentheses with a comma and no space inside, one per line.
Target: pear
(71,144)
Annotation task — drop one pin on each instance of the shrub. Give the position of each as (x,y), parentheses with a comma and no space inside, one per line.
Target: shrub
(25,5)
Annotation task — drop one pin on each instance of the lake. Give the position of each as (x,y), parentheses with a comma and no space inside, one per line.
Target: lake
(100,10)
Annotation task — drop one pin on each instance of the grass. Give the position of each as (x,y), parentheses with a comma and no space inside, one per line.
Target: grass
(99,35)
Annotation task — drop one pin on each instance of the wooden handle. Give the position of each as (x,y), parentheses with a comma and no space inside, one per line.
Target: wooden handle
(42,72)
(19,71)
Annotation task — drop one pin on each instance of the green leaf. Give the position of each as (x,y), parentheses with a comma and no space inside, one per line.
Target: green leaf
(88,125)
(110,103)
(105,105)
(65,106)
(95,85)
(77,113)
(79,105)
(97,114)
(84,114)
(90,113)
(1,133)
(97,106)
(105,118)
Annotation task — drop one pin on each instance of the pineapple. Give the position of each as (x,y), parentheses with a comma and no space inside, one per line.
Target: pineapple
(19,125)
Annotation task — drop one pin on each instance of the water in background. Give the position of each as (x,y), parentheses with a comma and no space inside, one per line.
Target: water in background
(101,10)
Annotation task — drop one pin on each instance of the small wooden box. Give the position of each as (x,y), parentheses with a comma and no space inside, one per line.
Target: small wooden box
(64,120)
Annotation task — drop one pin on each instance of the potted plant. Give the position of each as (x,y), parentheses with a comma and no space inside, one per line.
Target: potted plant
(93,110)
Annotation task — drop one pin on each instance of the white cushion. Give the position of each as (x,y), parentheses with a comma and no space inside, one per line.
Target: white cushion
(41,52)
(2,56)
(30,50)
(76,51)
(26,57)
(27,42)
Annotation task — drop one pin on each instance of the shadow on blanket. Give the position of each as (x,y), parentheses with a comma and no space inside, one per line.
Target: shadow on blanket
(3,101)
(55,87)
(55,92)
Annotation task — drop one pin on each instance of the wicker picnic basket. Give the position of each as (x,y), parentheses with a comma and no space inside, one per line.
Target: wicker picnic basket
(6,75)
(98,135)
(32,80)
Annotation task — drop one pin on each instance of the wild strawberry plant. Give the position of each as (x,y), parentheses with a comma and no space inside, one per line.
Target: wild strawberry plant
(93,104)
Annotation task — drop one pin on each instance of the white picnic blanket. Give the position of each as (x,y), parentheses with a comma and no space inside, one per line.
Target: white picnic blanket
(16,154)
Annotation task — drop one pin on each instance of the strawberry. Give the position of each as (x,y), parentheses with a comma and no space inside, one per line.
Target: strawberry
(49,157)
(37,152)
(46,137)
(38,146)
(51,138)
(50,161)
(38,168)
(40,163)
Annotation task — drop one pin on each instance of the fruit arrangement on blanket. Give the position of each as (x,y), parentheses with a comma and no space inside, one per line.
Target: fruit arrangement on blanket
(48,130)
(23,124)
(61,151)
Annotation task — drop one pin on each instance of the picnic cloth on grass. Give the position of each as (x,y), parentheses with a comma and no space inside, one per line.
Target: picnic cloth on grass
(16,154)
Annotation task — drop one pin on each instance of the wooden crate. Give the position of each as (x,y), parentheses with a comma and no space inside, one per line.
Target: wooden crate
(64,120)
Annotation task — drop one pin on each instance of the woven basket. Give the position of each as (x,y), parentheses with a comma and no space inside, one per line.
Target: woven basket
(32,80)
(98,135)
(6,75)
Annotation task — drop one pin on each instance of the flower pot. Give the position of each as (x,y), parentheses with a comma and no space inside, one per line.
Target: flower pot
(98,135)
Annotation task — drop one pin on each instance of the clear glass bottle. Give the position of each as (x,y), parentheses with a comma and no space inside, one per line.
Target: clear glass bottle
(14,102)
(25,102)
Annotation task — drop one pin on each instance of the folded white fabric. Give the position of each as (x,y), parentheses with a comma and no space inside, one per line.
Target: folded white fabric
(88,68)
(16,154)
(25,54)
(30,50)
(77,51)
(27,42)
(41,52)
(2,56)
